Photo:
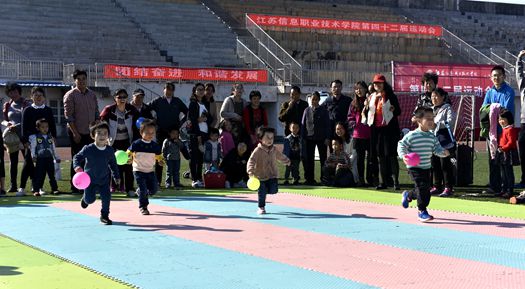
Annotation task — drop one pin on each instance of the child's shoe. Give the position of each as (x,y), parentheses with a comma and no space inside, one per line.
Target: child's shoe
(36,194)
(144,211)
(518,199)
(197,184)
(434,191)
(424,216)
(405,199)
(83,204)
(105,220)
(42,192)
(447,192)
(261,211)
(21,192)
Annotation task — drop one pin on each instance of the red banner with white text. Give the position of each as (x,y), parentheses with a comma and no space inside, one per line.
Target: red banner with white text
(458,78)
(112,71)
(348,25)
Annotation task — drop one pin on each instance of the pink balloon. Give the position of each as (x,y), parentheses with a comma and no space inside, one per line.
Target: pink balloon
(413,159)
(81,180)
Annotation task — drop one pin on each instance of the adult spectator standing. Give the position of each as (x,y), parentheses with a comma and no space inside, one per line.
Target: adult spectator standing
(292,110)
(429,80)
(121,117)
(210,104)
(232,109)
(381,112)
(520,77)
(137,101)
(37,110)
(199,118)
(170,111)
(337,105)
(12,121)
(254,116)
(80,109)
(502,94)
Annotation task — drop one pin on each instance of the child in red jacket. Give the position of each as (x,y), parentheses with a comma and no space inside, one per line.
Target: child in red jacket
(507,152)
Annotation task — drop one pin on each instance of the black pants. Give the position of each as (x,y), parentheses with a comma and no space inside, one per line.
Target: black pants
(197,158)
(44,166)
(494,173)
(309,157)
(421,192)
(85,139)
(292,169)
(443,171)
(125,171)
(27,168)
(383,148)
(161,136)
(521,144)
(362,147)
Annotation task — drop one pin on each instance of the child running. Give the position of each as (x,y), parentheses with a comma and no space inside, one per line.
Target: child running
(144,153)
(262,164)
(99,159)
(424,143)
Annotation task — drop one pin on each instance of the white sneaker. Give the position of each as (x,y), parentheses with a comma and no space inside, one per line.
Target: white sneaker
(131,194)
(261,211)
(195,184)
(21,192)
(42,192)
(227,185)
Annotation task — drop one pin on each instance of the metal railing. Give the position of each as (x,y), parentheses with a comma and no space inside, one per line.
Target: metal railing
(9,54)
(510,68)
(253,61)
(275,56)
(15,66)
(465,50)
(510,57)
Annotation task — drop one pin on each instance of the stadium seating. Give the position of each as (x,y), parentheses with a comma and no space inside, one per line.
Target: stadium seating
(481,30)
(74,31)
(186,30)
(349,56)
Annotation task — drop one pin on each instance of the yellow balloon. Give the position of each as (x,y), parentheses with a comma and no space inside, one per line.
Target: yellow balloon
(253,183)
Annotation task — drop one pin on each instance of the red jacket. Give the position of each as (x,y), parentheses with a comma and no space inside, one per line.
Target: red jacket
(508,138)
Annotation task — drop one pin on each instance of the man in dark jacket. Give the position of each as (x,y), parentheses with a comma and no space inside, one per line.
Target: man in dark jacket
(337,105)
(292,111)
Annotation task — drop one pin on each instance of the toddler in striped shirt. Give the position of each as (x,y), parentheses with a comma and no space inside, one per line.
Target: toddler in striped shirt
(423,142)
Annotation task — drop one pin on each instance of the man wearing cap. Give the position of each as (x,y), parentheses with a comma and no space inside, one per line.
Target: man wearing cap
(80,110)
(138,102)
(337,105)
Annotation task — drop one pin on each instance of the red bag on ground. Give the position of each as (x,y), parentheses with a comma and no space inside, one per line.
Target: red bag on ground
(214,180)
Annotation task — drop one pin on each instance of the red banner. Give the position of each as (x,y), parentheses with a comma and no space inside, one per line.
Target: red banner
(348,25)
(473,78)
(172,73)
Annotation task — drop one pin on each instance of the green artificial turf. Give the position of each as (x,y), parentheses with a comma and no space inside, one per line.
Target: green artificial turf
(22,267)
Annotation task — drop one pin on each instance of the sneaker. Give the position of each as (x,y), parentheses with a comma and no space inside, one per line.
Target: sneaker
(56,193)
(286,183)
(261,211)
(381,187)
(405,199)
(36,194)
(131,194)
(144,211)
(197,184)
(21,192)
(424,216)
(227,185)
(434,191)
(105,220)
(186,175)
(83,204)
(295,183)
(447,192)
(241,184)
(488,191)
(42,192)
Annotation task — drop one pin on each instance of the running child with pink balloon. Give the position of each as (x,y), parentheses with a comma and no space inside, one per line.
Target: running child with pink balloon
(94,177)
(416,149)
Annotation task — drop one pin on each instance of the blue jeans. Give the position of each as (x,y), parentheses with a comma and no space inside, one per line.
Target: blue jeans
(173,172)
(148,184)
(266,187)
(90,195)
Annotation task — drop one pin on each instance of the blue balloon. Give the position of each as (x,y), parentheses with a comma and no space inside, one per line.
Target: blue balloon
(139,121)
